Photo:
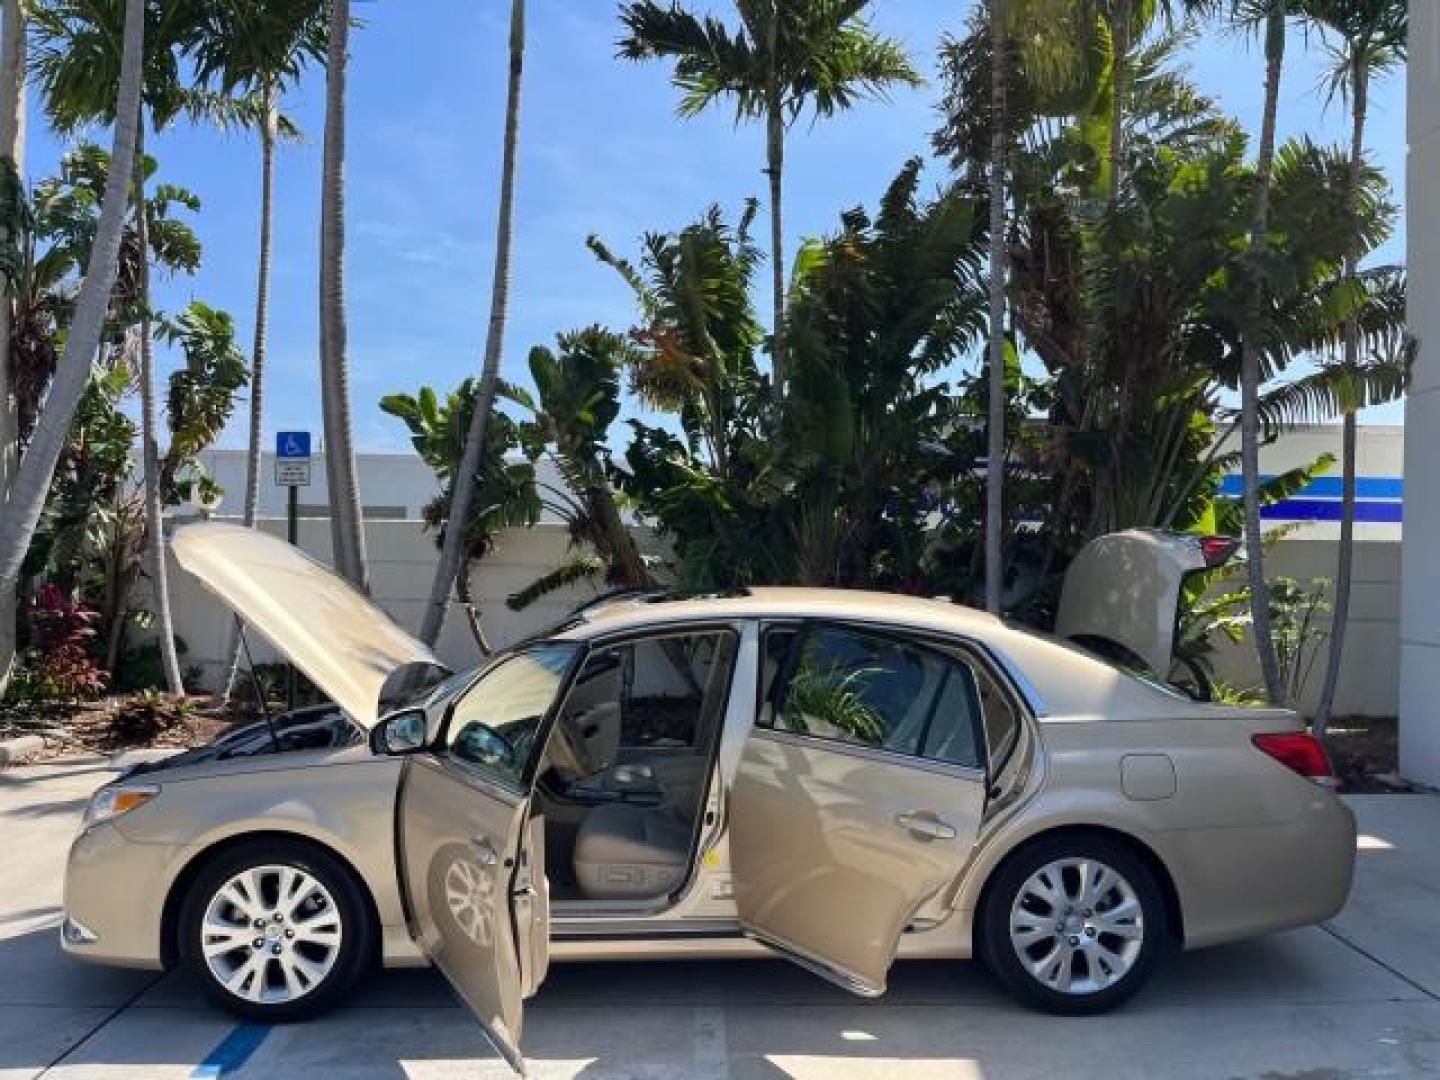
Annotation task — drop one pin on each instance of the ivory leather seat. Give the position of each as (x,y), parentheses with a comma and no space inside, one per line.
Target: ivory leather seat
(625,852)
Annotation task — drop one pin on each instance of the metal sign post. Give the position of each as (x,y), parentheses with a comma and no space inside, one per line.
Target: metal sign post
(292,472)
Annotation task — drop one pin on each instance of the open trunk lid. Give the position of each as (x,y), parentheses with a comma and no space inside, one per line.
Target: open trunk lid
(332,632)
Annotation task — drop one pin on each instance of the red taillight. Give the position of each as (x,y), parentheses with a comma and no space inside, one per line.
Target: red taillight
(1301,752)
(1217,549)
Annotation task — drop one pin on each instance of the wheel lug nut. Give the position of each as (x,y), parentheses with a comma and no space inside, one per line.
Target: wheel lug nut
(258,943)
(1089,931)
(276,949)
(259,924)
(1074,941)
(279,918)
(289,933)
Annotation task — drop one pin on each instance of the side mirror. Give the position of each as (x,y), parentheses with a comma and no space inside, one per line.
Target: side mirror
(403,733)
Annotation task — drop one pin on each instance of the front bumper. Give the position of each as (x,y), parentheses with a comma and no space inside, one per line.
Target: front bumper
(115,893)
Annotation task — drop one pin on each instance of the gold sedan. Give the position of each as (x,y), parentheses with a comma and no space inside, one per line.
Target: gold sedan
(842,778)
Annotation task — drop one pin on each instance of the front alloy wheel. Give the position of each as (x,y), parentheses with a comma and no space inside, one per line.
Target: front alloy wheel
(275,931)
(271,934)
(1073,925)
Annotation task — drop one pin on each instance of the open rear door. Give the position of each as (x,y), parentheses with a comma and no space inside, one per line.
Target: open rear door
(835,845)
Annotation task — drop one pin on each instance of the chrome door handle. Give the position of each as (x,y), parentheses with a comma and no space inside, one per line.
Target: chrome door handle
(485,853)
(926,826)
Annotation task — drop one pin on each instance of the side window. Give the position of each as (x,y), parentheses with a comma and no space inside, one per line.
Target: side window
(881,692)
(1002,722)
(657,692)
(493,727)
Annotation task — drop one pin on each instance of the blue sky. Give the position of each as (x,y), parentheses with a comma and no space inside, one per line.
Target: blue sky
(601,151)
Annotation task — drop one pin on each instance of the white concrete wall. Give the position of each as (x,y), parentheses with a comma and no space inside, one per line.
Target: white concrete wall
(1420,605)
(402,561)
(402,558)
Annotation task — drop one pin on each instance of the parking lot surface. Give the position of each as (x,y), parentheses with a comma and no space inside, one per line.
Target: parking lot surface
(1357,998)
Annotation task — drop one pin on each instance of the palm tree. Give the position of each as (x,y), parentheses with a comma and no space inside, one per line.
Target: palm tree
(786,56)
(347,526)
(1271,16)
(1371,40)
(450,568)
(76,65)
(12,161)
(995,443)
(26,499)
(254,52)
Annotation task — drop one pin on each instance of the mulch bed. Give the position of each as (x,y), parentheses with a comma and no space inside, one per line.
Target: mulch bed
(112,725)
(1364,751)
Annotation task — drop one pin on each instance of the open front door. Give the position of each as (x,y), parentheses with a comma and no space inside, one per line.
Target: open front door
(857,799)
(472,858)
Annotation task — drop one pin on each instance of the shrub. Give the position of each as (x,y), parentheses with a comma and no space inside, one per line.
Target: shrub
(60,663)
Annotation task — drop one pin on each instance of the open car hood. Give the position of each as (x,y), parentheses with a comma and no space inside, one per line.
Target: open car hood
(325,626)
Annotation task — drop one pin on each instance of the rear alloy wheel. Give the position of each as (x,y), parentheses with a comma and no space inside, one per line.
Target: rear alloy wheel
(1073,925)
(275,931)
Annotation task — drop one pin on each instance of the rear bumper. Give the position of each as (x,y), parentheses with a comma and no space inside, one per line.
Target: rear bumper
(115,898)
(1237,883)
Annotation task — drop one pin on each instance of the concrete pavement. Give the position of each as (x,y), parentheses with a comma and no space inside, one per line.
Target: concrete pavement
(1358,998)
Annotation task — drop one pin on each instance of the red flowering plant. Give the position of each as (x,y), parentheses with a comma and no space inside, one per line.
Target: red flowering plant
(62,630)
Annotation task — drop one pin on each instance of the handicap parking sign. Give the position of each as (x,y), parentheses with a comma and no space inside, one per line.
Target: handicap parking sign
(292,444)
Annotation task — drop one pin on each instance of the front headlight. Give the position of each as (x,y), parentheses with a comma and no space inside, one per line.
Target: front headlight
(116,800)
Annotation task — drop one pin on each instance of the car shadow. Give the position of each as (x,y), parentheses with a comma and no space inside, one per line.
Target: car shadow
(744,1018)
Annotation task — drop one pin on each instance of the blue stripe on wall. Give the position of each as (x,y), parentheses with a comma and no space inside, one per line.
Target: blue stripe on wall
(1329,487)
(1325,510)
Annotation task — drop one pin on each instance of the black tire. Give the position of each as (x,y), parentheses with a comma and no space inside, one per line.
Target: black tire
(359,936)
(996,951)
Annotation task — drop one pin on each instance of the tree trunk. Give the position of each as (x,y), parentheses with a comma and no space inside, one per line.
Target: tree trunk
(775,158)
(452,565)
(254,458)
(347,526)
(12,148)
(995,448)
(1119,83)
(775,170)
(1250,373)
(1345,567)
(26,501)
(149,437)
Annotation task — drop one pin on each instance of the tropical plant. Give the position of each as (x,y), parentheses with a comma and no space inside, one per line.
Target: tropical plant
(347,526)
(12,168)
(27,495)
(1271,15)
(1364,38)
(254,53)
(827,700)
(504,492)
(577,399)
(62,634)
(201,398)
(450,567)
(782,59)
(77,64)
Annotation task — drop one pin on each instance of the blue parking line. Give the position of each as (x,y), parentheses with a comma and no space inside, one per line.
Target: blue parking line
(232,1052)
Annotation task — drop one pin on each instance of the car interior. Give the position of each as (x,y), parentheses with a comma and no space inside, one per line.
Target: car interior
(623,792)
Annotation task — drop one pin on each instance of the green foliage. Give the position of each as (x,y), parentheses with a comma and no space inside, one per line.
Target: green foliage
(505,493)
(818,54)
(201,399)
(1295,608)
(824,700)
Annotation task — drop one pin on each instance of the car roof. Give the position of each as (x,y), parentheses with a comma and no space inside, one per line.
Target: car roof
(1059,680)
(779,602)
